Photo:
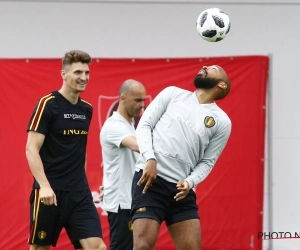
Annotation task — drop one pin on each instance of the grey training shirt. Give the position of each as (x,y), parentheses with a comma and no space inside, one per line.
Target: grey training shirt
(185,137)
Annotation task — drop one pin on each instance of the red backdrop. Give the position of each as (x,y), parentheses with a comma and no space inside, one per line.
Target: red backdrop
(230,199)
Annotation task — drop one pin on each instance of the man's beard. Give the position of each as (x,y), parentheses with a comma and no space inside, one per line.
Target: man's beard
(205,83)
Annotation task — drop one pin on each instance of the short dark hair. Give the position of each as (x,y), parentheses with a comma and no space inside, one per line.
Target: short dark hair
(75,56)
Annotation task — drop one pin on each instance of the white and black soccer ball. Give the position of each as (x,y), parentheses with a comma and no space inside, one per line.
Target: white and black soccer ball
(213,24)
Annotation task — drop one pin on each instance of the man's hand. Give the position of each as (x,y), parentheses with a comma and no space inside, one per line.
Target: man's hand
(101,188)
(47,196)
(149,175)
(184,188)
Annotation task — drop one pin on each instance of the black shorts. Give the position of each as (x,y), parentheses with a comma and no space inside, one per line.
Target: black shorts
(75,211)
(158,202)
(121,236)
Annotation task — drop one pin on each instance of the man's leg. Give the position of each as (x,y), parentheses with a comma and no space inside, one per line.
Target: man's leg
(145,233)
(82,224)
(186,234)
(120,228)
(37,247)
(148,212)
(44,223)
(93,243)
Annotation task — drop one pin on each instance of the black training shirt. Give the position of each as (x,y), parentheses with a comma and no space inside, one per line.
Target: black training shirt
(65,127)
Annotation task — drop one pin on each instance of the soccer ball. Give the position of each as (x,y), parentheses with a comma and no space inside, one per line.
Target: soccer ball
(213,25)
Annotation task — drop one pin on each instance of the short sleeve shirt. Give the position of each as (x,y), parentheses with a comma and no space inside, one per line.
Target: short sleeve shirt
(63,152)
(118,163)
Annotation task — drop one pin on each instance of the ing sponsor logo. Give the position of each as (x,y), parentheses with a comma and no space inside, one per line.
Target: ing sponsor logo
(74,132)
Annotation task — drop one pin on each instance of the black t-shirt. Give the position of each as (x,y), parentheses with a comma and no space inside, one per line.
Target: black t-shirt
(65,127)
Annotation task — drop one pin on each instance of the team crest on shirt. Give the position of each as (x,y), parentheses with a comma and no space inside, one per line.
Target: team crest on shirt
(209,121)
(42,235)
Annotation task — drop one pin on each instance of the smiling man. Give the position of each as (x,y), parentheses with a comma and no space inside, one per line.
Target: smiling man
(56,154)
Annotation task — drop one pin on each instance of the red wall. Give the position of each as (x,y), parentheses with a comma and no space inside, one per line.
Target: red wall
(230,199)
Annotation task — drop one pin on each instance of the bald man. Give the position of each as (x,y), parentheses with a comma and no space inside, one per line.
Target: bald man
(119,154)
(180,136)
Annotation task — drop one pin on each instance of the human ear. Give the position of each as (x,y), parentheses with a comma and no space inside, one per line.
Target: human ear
(222,85)
(63,74)
(123,97)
